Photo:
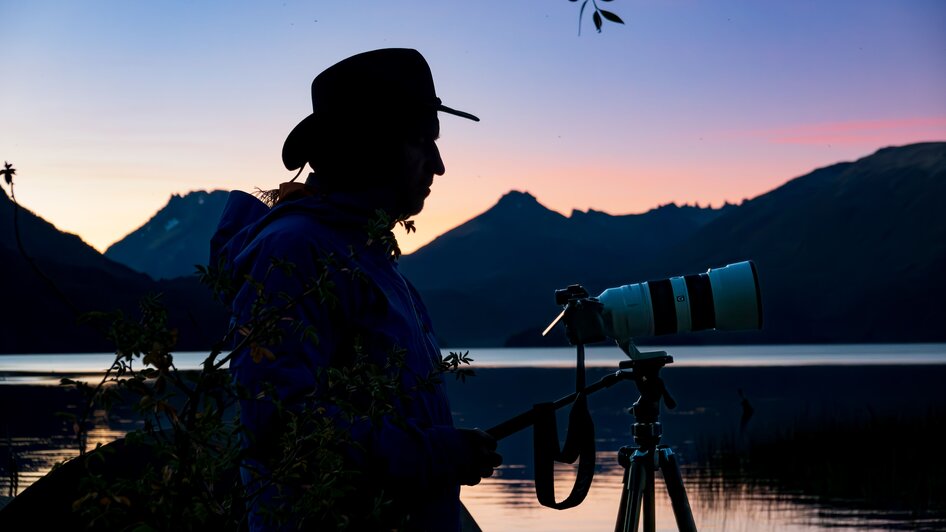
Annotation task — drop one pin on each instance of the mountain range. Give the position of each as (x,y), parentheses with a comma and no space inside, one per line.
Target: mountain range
(49,291)
(852,252)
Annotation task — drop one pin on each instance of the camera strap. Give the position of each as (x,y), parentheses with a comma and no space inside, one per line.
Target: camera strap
(579,445)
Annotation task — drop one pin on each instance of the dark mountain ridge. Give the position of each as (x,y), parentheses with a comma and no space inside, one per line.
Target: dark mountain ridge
(37,316)
(519,229)
(503,265)
(848,253)
(44,242)
(175,239)
(851,252)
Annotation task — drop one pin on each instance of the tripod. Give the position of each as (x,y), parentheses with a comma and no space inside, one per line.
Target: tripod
(640,463)
(583,324)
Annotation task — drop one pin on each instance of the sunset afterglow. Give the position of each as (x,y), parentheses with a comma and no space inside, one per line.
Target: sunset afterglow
(109,108)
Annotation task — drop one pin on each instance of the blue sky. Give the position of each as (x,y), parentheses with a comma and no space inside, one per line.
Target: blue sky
(110,107)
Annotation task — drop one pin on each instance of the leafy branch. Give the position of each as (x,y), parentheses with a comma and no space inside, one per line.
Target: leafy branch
(456,363)
(380,231)
(599,16)
(8,173)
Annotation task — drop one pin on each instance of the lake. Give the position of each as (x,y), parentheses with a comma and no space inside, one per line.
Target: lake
(790,387)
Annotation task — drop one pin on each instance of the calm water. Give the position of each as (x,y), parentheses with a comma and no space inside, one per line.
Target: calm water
(16,369)
(782,381)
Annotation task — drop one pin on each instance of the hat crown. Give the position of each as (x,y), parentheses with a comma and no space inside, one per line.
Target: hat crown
(375,81)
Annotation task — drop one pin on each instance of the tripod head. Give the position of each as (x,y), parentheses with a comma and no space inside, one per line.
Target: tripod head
(645,374)
(647,430)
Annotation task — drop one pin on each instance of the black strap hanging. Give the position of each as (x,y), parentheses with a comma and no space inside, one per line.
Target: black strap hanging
(579,445)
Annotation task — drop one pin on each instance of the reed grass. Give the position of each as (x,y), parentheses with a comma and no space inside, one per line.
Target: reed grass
(879,462)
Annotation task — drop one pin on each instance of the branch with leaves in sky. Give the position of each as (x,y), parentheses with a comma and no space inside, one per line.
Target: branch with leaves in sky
(599,16)
(8,172)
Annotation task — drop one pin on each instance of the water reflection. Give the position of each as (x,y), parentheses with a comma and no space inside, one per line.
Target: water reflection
(709,409)
(504,503)
(508,502)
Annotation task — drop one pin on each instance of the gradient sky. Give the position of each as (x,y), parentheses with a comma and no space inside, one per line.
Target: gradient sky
(109,107)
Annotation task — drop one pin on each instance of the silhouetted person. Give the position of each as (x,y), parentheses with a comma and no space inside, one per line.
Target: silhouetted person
(371,144)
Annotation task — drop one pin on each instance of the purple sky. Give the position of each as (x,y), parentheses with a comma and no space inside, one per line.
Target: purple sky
(109,107)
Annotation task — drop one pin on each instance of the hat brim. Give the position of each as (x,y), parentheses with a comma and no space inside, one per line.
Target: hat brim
(295,149)
(464,114)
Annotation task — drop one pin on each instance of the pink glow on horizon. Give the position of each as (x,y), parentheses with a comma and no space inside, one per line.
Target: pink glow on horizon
(891,131)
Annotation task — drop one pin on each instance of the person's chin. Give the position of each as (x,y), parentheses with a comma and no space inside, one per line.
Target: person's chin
(412,208)
(416,208)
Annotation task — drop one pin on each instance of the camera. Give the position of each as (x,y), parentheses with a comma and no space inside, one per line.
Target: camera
(725,298)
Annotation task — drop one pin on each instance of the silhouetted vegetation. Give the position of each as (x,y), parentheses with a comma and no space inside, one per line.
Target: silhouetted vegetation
(8,172)
(599,15)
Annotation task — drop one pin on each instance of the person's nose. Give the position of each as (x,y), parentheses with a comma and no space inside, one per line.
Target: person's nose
(436,161)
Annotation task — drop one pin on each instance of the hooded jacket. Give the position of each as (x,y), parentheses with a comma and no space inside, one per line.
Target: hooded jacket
(324,237)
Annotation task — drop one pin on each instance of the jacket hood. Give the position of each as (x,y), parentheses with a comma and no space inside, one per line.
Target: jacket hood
(241,214)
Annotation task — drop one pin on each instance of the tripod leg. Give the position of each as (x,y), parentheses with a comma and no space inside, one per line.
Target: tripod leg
(650,510)
(678,495)
(630,511)
(622,506)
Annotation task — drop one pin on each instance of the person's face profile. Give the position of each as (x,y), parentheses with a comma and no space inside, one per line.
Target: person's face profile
(421,162)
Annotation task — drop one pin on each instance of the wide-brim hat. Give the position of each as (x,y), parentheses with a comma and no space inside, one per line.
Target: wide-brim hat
(376,84)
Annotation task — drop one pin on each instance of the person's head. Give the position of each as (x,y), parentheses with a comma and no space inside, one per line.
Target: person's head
(373,127)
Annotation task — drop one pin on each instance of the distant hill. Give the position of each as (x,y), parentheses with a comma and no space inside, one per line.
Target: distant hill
(852,252)
(495,275)
(848,253)
(175,239)
(35,318)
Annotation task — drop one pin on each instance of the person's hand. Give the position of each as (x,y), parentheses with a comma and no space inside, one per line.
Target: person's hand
(482,457)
